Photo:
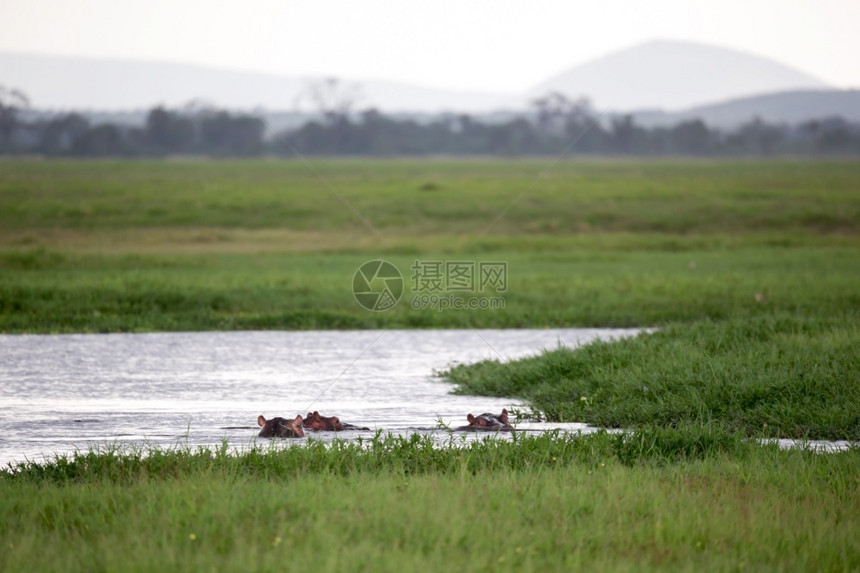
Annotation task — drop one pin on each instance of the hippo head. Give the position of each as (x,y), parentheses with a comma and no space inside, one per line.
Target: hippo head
(487,421)
(314,421)
(280,427)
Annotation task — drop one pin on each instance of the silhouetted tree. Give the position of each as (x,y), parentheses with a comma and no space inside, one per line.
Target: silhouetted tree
(60,133)
(168,132)
(551,112)
(691,138)
(627,137)
(223,134)
(755,138)
(12,101)
(334,99)
(556,124)
(100,140)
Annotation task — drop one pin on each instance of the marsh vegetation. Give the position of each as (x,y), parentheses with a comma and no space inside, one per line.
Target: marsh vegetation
(749,269)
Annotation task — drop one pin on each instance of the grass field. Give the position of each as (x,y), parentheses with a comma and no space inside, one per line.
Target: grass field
(428,199)
(49,291)
(748,268)
(424,206)
(112,246)
(543,503)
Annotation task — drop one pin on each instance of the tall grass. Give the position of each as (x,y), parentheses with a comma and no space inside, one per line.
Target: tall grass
(786,375)
(386,453)
(536,503)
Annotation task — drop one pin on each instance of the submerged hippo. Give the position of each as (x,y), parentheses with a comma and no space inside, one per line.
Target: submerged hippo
(315,421)
(280,427)
(488,422)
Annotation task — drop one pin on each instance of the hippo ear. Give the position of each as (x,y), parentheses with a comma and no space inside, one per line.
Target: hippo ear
(317,416)
(298,419)
(504,417)
(471,418)
(261,421)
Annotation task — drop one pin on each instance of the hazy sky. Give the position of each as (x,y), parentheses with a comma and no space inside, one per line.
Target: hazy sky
(497,45)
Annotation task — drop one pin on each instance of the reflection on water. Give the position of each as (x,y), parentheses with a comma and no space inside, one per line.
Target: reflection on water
(59,393)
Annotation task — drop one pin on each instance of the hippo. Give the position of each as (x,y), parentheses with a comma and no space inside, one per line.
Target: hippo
(488,422)
(280,427)
(315,421)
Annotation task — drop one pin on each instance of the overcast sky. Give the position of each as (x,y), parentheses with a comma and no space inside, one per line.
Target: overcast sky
(496,45)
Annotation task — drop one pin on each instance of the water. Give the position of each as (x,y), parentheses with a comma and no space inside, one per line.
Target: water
(59,393)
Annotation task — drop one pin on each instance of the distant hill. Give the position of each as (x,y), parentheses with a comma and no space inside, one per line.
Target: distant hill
(785,107)
(675,75)
(97,84)
(675,79)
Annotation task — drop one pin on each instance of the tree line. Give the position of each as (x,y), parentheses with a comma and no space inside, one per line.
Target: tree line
(554,124)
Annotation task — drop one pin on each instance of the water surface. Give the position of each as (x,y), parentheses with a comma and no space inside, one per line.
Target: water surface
(59,393)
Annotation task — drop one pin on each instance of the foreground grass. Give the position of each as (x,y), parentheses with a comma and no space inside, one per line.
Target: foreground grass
(543,503)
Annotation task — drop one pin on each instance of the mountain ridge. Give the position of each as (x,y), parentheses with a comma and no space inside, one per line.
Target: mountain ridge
(789,107)
(673,75)
(44,76)
(70,82)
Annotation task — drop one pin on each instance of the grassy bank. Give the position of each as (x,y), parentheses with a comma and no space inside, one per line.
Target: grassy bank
(49,291)
(780,375)
(543,503)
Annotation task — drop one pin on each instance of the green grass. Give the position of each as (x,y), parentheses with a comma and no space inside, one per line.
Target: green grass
(779,375)
(200,245)
(539,503)
(676,197)
(51,291)
(749,268)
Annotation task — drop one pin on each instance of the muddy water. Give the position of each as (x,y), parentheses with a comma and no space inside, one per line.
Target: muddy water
(59,393)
